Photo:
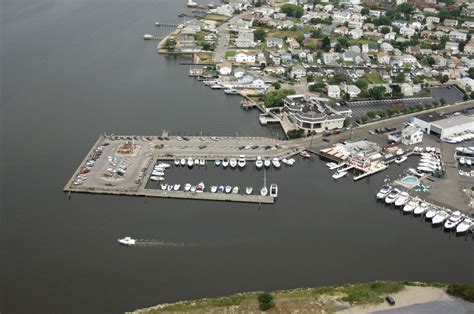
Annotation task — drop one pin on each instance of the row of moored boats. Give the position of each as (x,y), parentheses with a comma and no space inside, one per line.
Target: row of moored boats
(227,189)
(452,220)
(158,173)
(237,162)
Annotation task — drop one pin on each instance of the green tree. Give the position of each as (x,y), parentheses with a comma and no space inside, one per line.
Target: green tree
(405,8)
(277,85)
(170,43)
(400,78)
(471,73)
(371,115)
(326,43)
(292,10)
(365,11)
(377,92)
(260,34)
(443,79)
(431,61)
(385,30)
(275,99)
(362,83)
(265,300)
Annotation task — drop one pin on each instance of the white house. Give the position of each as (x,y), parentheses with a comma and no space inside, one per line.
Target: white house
(407,31)
(245,57)
(406,89)
(274,42)
(412,135)
(356,33)
(353,91)
(225,68)
(457,35)
(334,91)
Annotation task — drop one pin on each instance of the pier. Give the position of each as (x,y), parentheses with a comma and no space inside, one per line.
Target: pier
(158,24)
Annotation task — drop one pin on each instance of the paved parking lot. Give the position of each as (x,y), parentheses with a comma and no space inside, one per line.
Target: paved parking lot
(360,108)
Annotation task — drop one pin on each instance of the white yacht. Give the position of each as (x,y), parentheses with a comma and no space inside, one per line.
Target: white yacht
(383,192)
(264,191)
(420,209)
(228,189)
(187,187)
(156,178)
(468,162)
(274,190)
(392,196)
(214,189)
(157,173)
(399,152)
(182,162)
(163,165)
(221,189)
(217,162)
(454,220)
(400,159)
(196,162)
(235,190)
(440,216)
(339,174)
(190,162)
(462,161)
(170,187)
(202,162)
(164,186)
(233,162)
(267,163)
(276,162)
(193,188)
(176,162)
(464,226)
(241,161)
(410,206)
(402,199)
(200,187)
(248,190)
(259,162)
(225,163)
(425,169)
(127,241)
(431,213)
(177,187)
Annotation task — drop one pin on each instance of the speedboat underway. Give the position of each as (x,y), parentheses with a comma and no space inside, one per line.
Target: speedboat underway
(441,216)
(431,213)
(200,187)
(410,206)
(241,161)
(259,162)
(267,163)
(127,241)
(454,220)
(384,191)
(248,190)
(420,209)
(228,189)
(276,162)
(392,196)
(464,226)
(339,174)
(274,190)
(225,163)
(264,191)
(402,199)
(214,189)
(233,163)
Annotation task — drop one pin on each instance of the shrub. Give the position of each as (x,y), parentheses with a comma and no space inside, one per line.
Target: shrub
(265,301)
(465,292)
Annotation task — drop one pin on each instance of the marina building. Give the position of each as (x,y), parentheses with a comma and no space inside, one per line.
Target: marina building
(442,125)
(411,135)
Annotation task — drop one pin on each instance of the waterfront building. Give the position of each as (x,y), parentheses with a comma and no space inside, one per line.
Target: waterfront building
(411,135)
(441,125)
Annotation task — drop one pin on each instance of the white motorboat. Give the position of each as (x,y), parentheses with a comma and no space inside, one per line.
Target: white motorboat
(127,241)
(431,213)
(339,174)
(429,165)
(228,189)
(248,190)
(233,163)
(425,169)
(399,152)
(462,161)
(383,192)
(225,163)
(440,216)
(164,186)
(200,187)
(156,178)
(468,162)
(276,162)
(214,189)
(177,187)
(157,173)
(274,190)
(196,162)
(259,162)
(182,162)
(235,190)
(221,189)
(400,159)
(454,220)
(264,191)
(420,209)
(291,161)
(190,162)
(202,162)
(464,226)
(176,162)
(390,199)
(402,199)
(285,161)
(217,162)
(170,187)
(410,206)
(267,163)
(193,188)
(241,161)
(305,154)
(187,187)
(163,165)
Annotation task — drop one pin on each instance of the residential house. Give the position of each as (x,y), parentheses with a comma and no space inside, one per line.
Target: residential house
(412,135)
(406,89)
(370,48)
(383,58)
(353,91)
(386,47)
(451,23)
(224,68)
(355,24)
(341,16)
(356,33)
(292,43)
(452,47)
(273,42)
(298,72)
(469,48)
(407,31)
(245,57)
(334,91)
(456,35)
(341,31)
(330,58)
(245,39)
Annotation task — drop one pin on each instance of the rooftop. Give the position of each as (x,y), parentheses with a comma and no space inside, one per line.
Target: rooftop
(430,116)
(455,121)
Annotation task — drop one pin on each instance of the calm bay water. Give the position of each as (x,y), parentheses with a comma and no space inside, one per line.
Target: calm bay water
(73,69)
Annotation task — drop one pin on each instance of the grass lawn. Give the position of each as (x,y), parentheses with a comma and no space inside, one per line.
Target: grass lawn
(230,53)
(287,33)
(204,57)
(374,78)
(361,41)
(217,17)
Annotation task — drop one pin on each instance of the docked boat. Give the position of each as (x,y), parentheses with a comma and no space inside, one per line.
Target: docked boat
(164,186)
(177,187)
(190,162)
(200,187)
(390,199)
(187,187)
(196,162)
(217,162)
(431,213)
(339,174)
(454,220)
(383,192)
(440,216)
(233,163)
(225,163)
(410,206)
(241,161)
(402,199)
(235,190)
(156,178)
(214,189)
(217,86)
(264,191)
(259,162)
(182,162)
(400,159)
(267,163)
(276,163)
(425,169)
(248,190)
(202,162)
(193,188)
(305,154)
(399,152)
(163,165)
(228,189)
(291,161)
(422,208)
(170,187)
(462,160)
(274,190)
(127,241)
(464,225)
(231,91)
(157,173)
(468,162)
(221,189)
(176,162)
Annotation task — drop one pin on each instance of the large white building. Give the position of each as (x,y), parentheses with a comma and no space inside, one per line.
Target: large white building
(411,135)
(442,125)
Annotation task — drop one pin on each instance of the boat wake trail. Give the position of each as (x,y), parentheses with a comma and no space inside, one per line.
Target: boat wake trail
(159,243)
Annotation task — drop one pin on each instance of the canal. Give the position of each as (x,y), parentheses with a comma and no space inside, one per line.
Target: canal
(74,69)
